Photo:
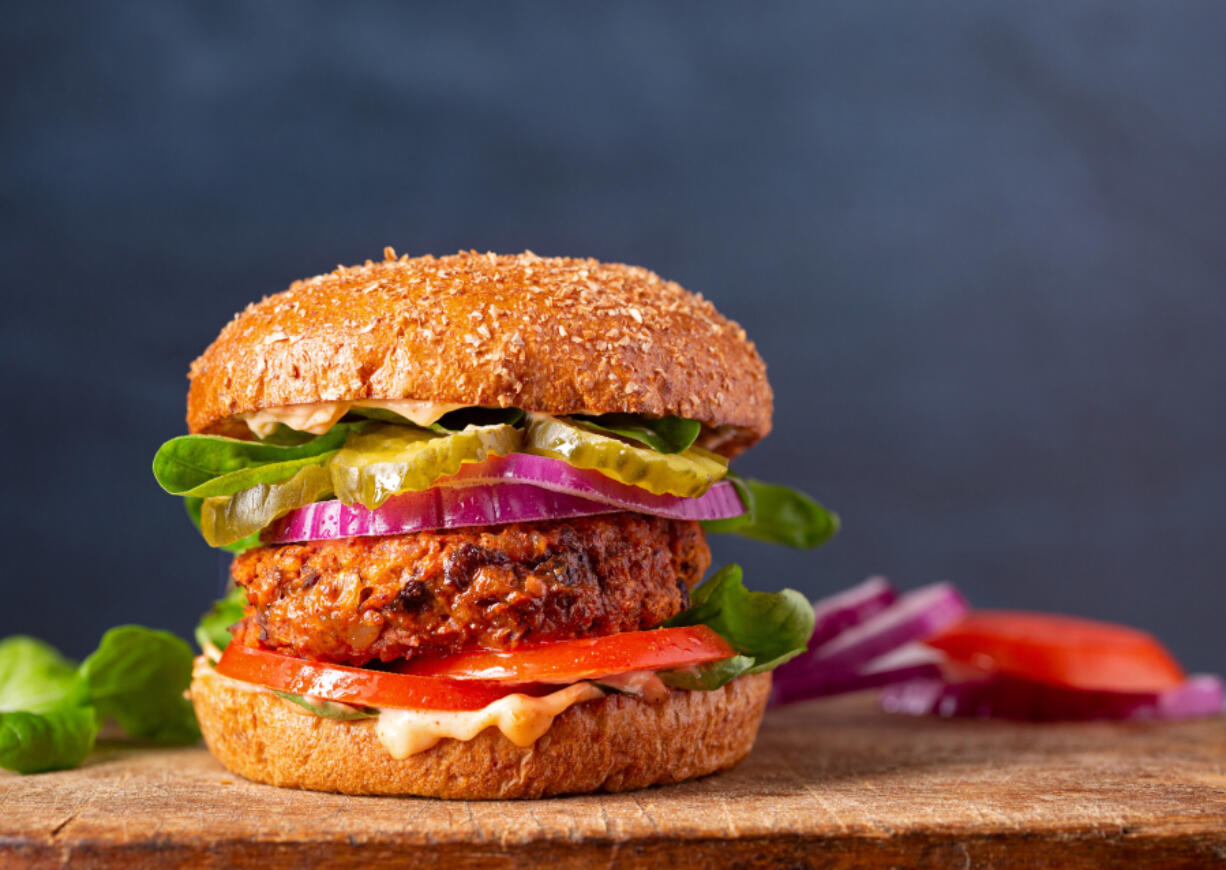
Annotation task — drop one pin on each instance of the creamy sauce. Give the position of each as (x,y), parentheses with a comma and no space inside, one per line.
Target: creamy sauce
(522,719)
(318,417)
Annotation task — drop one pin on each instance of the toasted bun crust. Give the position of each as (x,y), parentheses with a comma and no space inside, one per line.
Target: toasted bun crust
(615,743)
(554,335)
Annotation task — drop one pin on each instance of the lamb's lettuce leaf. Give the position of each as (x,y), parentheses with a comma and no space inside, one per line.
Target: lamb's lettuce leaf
(329,709)
(765,628)
(33,675)
(284,436)
(138,676)
(704,678)
(206,466)
(778,514)
(214,626)
(50,710)
(452,421)
(46,722)
(461,418)
(53,740)
(664,435)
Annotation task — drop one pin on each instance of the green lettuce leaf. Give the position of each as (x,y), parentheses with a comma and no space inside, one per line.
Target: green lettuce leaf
(206,466)
(46,722)
(50,711)
(461,418)
(284,436)
(214,625)
(704,678)
(138,675)
(778,514)
(330,709)
(664,435)
(34,677)
(765,628)
(383,415)
(55,739)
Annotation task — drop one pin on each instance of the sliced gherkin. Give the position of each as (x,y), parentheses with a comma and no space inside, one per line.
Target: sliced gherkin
(689,473)
(384,460)
(226,519)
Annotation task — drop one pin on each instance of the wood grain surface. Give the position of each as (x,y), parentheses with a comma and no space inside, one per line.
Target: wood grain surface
(830,784)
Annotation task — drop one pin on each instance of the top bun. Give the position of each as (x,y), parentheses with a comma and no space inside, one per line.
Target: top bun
(553,335)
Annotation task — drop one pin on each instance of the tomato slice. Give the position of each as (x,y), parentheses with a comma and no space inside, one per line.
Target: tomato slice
(1061,651)
(568,661)
(357,685)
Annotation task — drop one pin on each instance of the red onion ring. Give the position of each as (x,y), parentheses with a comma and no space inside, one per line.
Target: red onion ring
(873,624)
(836,613)
(511,489)
(559,476)
(876,629)
(912,662)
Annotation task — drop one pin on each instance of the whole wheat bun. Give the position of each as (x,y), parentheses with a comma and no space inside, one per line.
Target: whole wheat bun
(553,335)
(615,743)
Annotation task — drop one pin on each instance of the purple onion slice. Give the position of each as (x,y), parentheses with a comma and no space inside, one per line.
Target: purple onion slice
(852,658)
(911,662)
(917,615)
(836,613)
(511,489)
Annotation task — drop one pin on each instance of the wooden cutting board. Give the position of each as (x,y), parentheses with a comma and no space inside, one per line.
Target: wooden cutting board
(830,784)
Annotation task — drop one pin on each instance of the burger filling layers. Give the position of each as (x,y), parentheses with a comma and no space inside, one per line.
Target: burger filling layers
(488,570)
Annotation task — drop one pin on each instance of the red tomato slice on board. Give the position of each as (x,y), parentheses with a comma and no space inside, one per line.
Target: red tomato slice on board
(1061,651)
(568,661)
(358,685)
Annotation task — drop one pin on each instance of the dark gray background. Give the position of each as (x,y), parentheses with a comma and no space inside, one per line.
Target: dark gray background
(981,247)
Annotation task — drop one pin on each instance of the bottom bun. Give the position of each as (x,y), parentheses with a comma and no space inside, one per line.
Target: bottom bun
(614,743)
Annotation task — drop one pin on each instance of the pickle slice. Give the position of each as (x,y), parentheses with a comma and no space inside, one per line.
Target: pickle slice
(385,460)
(226,519)
(689,473)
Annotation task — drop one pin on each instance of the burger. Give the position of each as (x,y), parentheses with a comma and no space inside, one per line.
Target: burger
(469,498)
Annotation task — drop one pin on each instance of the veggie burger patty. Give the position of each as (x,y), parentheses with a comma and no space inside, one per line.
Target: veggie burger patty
(355,600)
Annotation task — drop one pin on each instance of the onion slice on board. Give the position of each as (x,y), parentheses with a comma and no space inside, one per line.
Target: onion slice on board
(493,492)
(1004,697)
(843,663)
(911,662)
(918,614)
(836,613)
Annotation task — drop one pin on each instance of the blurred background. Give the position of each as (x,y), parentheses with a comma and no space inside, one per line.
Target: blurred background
(982,248)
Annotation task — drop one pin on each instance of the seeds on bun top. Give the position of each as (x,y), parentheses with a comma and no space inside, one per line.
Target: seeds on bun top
(553,335)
